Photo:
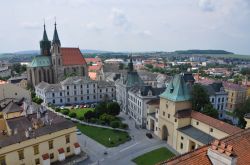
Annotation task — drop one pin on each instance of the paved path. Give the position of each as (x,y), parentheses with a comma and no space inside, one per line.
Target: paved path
(124,153)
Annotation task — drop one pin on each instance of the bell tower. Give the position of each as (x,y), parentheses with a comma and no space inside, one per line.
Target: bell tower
(45,44)
(56,57)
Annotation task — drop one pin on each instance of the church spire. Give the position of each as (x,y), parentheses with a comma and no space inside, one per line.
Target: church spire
(45,44)
(130,64)
(45,37)
(55,37)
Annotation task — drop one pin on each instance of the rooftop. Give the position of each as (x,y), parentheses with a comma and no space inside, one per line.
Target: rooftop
(72,56)
(196,134)
(239,141)
(220,125)
(22,124)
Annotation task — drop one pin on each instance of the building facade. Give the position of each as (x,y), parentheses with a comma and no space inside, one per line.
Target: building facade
(40,137)
(124,83)
(237,95)
(182,128)
(137,102)
(55,62)
(217,96)
(76,90)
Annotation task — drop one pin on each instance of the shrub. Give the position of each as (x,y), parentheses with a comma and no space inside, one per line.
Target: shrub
(123,126)
(119,139)
(101,122)
(65,112)
(88,115)
(81,117)
(107,118)
(115,124)
(57,109)
(72,114)
(111,142)
(93,120)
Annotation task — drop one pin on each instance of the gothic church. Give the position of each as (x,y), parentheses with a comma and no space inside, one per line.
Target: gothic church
(55,63)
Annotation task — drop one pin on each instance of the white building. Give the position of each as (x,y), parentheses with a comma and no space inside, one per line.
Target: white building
(5,71)
(137,100)
(217,96)
(76,90)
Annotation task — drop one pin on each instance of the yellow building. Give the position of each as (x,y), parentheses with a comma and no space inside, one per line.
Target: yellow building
(237,95)
(182,128)
(38,138)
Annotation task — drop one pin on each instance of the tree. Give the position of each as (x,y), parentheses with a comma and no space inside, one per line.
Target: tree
(107,118)
(90,114)
(72,114)
(101,108)
(199,97)
(115,124)
(113,108)
(121,66)
(150,66)
(244,109)
(210,111)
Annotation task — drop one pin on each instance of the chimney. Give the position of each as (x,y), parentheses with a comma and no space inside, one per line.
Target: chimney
(221,154)
(247,119)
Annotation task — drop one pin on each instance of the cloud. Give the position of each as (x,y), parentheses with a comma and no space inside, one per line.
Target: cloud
(31,25)
(206,5)
(144,33)
(94,27)
(120,19)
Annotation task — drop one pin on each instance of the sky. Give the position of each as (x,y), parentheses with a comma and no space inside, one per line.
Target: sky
(127,25)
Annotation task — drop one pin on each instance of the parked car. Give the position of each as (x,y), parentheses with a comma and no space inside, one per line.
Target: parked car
(78,132)
(77,106)
(149,135)
(62,107)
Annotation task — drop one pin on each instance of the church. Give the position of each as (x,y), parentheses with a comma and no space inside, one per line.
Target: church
(55,63)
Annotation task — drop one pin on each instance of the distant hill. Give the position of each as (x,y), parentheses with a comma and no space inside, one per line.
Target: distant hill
(28,52)
(202,52)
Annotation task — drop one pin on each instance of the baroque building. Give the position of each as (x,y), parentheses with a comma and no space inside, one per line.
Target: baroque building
(55,63)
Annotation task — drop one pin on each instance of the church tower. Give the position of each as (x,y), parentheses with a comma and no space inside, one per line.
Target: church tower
(45,44)
(56,57)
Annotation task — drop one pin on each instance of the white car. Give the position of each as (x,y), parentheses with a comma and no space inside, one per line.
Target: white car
(78,132)
(62,107)
(77,106)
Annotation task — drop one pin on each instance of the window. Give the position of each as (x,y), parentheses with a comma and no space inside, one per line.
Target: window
(68,99)
(197,123)
(81,92)
(100,96)
(21,155)
(87,85)
(67,93)
(68,149)
(94,96)
(182,137)
(175,120)
(211,130)
(75,98)
(219,100)
(36,149)
(181,146)
(168,115)
(60,93)
(67,139)
(51,156)
(212,100)
(2,160)
(81,98)
(16,94)
(53,94)
(53,101)
(94,90)
(74,86)
(37,161)
(51,144)
(81,85)
(222,100)
(67,87)
(61,100)
(87,91)
(74,92)
(163,113)
(87,97)
(106,89)
(166,105)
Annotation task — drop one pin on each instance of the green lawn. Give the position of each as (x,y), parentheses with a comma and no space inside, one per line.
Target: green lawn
(153,157)
(102,135)
(81,111)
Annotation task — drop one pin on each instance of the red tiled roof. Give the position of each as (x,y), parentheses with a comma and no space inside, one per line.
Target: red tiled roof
(72,56)
(220,125)
(233,86)
(45,156)
(239,141)
(61,150)
(77,145)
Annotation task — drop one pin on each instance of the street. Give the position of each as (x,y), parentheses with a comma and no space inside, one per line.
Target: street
(124,153)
